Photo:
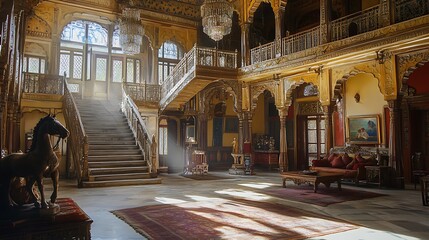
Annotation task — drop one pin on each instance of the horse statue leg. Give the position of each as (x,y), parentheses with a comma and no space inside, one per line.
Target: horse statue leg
(55,175)
(42,191)
(30,183)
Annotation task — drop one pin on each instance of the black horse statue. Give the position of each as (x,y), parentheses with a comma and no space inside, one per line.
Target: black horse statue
(38,162)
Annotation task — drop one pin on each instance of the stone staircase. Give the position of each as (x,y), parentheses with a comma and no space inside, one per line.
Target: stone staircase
(114,158)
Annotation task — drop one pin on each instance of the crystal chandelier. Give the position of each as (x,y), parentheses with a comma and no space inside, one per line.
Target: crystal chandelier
(131,31)
(217,18)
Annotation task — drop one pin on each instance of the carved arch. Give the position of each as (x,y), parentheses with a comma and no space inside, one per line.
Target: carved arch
(275,4)
(231,87)
(408,64)
(351,72)
(75,16)
(258,89)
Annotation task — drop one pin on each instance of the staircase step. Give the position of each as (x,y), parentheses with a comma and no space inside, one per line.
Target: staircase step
(107,171)
(110,164)
(110,139)
(107,158)
(127,176)
(114,152)
(111,142)
(112,147)
(122,182)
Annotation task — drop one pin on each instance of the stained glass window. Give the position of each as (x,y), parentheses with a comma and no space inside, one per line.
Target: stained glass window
(76,32)
(97,34)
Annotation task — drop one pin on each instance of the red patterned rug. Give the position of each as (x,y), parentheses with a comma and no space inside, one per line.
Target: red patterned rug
(323,197)
(227,219)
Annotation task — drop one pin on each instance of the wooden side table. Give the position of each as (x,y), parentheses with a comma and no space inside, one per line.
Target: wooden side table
(424,183)
(377,175)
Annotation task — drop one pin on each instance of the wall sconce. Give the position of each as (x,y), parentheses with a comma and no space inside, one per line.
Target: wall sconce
(357,97)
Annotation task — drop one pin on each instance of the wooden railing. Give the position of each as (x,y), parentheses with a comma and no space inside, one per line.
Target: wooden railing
(409,9)
(138,126)
(289,44)
(263,53)
(77,144)
(356,23)
(198,56)
(43,83)
(301,41)
(143,92)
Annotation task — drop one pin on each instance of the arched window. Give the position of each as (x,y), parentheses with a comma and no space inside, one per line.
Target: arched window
(76,31)
(169,55)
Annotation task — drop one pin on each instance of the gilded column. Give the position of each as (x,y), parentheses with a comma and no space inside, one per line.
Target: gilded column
(240,132)
(283,159)
(202,130)
(55,49)
(279,15)
(395,139)
(325,9)
(249,127)
(245,47)
(327,111)
(155,77)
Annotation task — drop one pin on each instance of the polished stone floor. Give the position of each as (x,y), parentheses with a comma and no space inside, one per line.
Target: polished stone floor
(398,215)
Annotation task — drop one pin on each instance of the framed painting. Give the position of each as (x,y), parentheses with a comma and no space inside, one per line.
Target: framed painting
(364,129)
(231,124)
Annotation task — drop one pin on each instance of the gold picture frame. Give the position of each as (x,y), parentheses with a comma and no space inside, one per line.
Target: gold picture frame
(364,129)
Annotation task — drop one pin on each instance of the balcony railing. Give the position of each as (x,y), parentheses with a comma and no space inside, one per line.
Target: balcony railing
(356,23)
(143,92)
(290,44)
(198,56)
(301,41)
(43,83)
(409,9)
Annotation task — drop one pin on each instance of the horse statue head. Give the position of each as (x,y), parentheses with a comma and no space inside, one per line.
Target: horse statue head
(48,125)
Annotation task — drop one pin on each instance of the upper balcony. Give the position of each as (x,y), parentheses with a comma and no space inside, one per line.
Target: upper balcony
(201,66)
(353,30)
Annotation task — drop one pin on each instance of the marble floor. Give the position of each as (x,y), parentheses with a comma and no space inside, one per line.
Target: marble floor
(398,215)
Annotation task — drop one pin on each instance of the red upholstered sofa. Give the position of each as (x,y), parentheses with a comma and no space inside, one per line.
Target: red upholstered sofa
(350,161)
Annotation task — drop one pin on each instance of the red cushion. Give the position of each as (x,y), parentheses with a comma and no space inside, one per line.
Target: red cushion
(338,162)
(332,156)
(351,164)
(321,163)
(347,159)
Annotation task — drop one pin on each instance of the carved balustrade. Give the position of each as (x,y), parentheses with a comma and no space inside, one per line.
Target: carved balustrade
(77,143)
(198,56)
(143,92)
(363,21)
(263,53)
(301,41)
(43,83)
(137,125)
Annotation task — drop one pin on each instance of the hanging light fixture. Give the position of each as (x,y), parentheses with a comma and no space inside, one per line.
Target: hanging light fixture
(131,31)
(217,18)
